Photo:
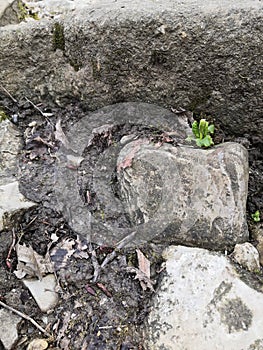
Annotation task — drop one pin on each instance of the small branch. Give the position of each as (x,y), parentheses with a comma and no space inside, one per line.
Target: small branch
(26,317)
(110,327)
(95,263)
(119,245)
(45,115)
(8,93)
(8,260)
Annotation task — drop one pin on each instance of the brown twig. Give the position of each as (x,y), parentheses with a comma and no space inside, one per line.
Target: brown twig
(109,257)
(95,263)
(26,317)
(119,245)
(8,93)
(45,115)
(8,260)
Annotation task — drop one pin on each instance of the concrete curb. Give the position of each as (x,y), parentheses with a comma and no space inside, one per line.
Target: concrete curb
(206,57)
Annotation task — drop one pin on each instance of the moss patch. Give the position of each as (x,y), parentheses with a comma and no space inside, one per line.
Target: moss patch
(25,12)
(58,37)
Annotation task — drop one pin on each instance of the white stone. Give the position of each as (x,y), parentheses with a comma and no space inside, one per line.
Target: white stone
(43,291)
(247,256)
(11,202)
(203,304)
(8,328)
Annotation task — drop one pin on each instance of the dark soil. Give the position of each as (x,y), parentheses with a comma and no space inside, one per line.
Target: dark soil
(103,314)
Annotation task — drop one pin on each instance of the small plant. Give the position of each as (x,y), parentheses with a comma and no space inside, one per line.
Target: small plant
(201,131)
(256,216)
(3,116)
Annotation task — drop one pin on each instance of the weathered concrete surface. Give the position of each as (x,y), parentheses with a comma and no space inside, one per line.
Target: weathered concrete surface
(12,202)
(203,56)
(10,144)
(189,196)
(203,303)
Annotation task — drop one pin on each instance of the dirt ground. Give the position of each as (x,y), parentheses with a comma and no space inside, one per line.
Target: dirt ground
(107,313)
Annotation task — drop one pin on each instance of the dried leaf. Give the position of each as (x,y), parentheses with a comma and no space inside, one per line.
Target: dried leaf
(127,161)
(31,263)
(62,252)
(60,135)
(144,263)
(145,281)
(90,290)
(104,289)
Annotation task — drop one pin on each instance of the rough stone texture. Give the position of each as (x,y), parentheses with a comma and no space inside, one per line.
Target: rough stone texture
(8,329)
(12,204)
(257,234)
(43,291)
(247,256)
(10,144)
(201,56)
(81,134)
(10,12)
(187,195)
(202,301)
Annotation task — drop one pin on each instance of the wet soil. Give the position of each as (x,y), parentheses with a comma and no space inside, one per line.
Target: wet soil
(107,313)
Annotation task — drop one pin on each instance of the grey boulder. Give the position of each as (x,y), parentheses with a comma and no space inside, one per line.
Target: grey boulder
(184,194)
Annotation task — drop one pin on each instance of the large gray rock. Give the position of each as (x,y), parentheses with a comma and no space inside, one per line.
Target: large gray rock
(203,304)
(100,125)
(173,194)
(197,55)
(187,195)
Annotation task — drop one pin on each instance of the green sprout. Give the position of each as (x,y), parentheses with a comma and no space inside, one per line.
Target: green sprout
(3,116)
(201,131)
(256,216)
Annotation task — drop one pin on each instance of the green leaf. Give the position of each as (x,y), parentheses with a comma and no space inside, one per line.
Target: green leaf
(207,141)
(195,129)
(211,129)
(203,128)
(256,216)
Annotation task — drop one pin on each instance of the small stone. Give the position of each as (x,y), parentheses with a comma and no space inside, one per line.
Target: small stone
(38,344)
(247,256)
(43,291)
(12,202)
(8,328)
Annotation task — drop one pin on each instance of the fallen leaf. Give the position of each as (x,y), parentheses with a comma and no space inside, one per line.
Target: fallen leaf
(104,289)
(31,263)
(145,281)
(127,161)
(90,290)
(60,254)
(144,263)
